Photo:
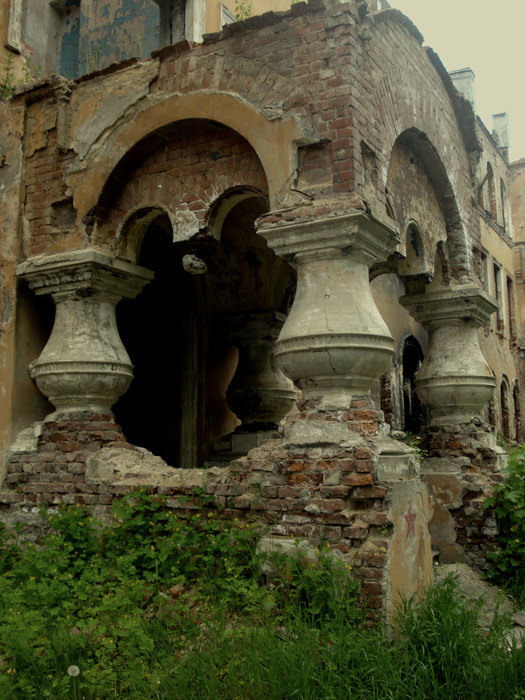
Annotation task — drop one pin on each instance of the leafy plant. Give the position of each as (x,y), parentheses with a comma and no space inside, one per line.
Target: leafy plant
(508,504)
(414,441)
(151,605)
(243,9)
(321,590)
(8,82)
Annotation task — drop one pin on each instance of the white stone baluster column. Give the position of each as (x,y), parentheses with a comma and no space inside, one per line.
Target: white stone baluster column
(334,343)
(84,365)
(454,380)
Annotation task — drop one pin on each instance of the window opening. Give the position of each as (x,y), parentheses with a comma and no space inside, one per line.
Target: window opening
(511,309)
(491,192)
(517,413)
(500,324)
(172,21)
(504,398)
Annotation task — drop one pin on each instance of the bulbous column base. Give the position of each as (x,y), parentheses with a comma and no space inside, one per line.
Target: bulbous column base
(454,380)
(334,343)
(84,365)
(82,386)
(259,394)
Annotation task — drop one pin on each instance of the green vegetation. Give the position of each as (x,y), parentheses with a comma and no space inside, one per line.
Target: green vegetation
(243,9)
(155,606)
(508,503)
(8,82)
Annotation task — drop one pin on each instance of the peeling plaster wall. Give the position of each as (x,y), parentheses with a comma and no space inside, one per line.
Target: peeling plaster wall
(498,339)
(111,31)
(11,187)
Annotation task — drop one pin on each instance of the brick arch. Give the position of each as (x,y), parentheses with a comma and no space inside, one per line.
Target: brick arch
(407,101)
(255,80)
(182,170)
(272,137)
(439,179)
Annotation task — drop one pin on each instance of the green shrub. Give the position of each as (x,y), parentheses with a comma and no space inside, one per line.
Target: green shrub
(508,504)
(99,598)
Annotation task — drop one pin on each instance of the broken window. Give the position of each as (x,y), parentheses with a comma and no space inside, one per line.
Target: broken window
(500,322)
(517,414)
(504,398)
(171,21)
(510,309)
(505,211)
(485,269)
(180,19)
(491,193)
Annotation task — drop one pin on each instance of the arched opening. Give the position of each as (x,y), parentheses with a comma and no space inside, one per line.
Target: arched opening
(517,413)
(200,337)
(414,412)
(505,408)
(201,334)
(420,191)
(491,191)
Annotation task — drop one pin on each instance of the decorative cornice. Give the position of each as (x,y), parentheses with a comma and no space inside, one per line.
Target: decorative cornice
(84,273)
(462,303)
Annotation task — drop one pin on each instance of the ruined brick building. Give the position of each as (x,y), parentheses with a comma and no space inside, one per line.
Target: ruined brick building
(241,261)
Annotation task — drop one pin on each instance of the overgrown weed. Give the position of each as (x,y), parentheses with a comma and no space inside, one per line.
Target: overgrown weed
(156,606)
(508,504)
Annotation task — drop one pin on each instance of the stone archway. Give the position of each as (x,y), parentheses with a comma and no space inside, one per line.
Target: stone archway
(183,204)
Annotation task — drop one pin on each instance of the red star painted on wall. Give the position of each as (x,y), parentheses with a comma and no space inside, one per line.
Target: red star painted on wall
(410,517)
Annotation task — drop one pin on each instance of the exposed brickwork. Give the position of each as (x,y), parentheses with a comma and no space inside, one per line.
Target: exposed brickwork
(188,167)
(466,447)
(44,184)
(313,64)
(56,469)
(350,88)
(323,494)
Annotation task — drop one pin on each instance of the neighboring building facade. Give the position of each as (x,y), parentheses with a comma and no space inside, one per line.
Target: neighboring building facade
(303,196)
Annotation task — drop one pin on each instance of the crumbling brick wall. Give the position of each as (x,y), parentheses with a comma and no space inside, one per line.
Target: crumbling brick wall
(462,467)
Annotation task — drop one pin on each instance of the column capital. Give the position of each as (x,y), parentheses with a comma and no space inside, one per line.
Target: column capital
(442,308)
(359,234)
(84,273)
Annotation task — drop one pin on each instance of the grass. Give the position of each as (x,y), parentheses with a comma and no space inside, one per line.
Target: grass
(151,606)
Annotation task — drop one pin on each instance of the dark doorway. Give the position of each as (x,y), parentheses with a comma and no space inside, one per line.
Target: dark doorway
(159,330)
(415,414)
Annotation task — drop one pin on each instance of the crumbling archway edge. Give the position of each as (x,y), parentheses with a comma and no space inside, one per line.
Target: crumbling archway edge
(272,139)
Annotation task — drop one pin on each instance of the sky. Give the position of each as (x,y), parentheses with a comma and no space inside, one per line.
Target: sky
(488,37)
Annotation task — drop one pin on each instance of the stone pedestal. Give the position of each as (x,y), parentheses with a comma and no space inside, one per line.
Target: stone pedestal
(454,380)
(84,366)
(334,343)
